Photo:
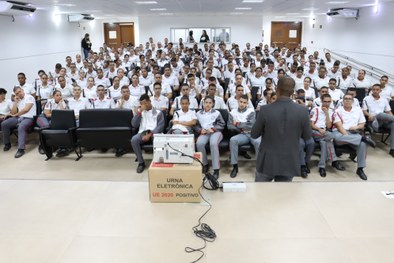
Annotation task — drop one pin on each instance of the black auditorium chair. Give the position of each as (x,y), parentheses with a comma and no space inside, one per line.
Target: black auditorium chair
(60,134)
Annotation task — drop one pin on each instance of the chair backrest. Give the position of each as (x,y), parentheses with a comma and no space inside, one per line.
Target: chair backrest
(360,94)
(62,119)
(99,118)
(392,106)
(253,92)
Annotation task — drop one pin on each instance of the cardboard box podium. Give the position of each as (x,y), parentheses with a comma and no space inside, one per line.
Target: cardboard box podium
(175,183)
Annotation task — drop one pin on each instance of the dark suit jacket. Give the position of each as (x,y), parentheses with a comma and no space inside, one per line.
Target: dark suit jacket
(281,125)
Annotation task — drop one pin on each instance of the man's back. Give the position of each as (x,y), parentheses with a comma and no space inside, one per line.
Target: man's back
(281,125)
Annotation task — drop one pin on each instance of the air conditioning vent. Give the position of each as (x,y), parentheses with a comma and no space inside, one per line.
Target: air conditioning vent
(16,8)
(344,12)
(78,18)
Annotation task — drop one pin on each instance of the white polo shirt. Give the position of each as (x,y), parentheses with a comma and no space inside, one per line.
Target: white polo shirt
(28,88)
(148,120)
(365,83)
(387,93)
(349,118)
(45,92)
(319,82)
(176,104)
(180,115)
(52,105)
(344,83)
(335,94)
(78,104)
(115,93)
(219,103)
(375,106)
(90,93)
(136,91)
(103,81)
(132,103)
(160,102)
(5,107)
(106,103)
(146,81)
(22,104)
(232,103)
(318,117)
(299,82)
(172,80)
(66,91)
(165,89)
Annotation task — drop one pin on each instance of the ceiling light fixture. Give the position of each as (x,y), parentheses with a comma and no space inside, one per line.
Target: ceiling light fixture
(252,1)
(243,8)
(236,13)
(337,2)
(146,2)
(166,14)
(158,9)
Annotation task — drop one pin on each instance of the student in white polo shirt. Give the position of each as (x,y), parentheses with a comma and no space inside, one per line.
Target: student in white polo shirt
(378,112)
(322,79)
(22,117)
(320,123)
(318,102)
(240,122)
(184,119)
(349,121)
(165,87)
(55,103)
(210,127)
(127,101)
(5,105)
(232,102)
(336,94)
(77,102)
(387,91)
(90,91)
(149,121)
(219,102)
(102,102)
(27,88)
(344,81)
(101,80)
(159,102)
(185,91)
(362,81)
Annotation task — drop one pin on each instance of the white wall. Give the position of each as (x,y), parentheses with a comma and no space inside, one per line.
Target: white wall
(243,28)
(33,43)
(368,39)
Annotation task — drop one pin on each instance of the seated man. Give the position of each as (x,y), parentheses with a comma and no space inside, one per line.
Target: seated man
(219,102)
(77,102)
(22,117)
(232,102)
(185,91)
(127,101)
(159,102)
(349,121)
(378,111)
(320,122)
(102,102)
(240,122)
(184,119)
(149,121)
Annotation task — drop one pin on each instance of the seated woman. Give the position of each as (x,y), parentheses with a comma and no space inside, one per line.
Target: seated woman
(56,103)
(210,127)
(184,119)
(5,105)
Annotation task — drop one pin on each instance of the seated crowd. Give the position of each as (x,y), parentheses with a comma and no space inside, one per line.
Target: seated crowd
(188,86)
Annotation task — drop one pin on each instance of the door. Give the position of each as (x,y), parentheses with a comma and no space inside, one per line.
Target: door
(115,34)
(286,34)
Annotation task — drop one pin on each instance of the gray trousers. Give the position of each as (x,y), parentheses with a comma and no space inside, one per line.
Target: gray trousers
(387,121)
(306,150)
(136,142)
(23,125)
(242,139)
(327,150)
(261,177)
(43,122)
(354,140)
(214,139)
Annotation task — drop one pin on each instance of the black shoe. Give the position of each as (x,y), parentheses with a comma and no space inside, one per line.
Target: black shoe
(338,165)
(304,173)
(41,149)
(245,155)
(19,153)
(234,172)
(369,128)
(361,174)
(216,174)
(7,147)
(368,141)
(322,172)
(62,152)
(205,168)
(120,152)
(391,152)
(140,168)
(352,157)
(307,168)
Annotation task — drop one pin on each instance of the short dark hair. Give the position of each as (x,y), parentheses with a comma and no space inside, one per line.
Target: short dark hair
(145,97)
(185,98)
(245,97)
(286,86)
(3,91)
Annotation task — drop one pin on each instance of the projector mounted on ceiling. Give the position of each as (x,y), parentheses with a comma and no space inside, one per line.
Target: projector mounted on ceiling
(344,12)
(14,8)
(78,18)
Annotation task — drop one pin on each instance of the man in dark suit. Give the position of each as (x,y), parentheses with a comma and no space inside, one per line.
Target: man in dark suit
(281,125)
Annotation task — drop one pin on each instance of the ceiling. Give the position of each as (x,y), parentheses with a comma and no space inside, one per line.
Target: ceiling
(127,8)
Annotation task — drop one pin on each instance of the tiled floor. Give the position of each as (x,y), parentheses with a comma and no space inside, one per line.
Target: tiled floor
(98,210)
(75,221)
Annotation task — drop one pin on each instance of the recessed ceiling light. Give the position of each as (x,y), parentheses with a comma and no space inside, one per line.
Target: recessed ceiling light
(68,5)
(292,14)
(337,2)
(252,1)
(166,14)
(146,2)
(158,9)
(310,9)
(243,8)
(236,13)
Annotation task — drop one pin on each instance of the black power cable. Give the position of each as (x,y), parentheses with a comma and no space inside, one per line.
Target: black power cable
(202,230)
